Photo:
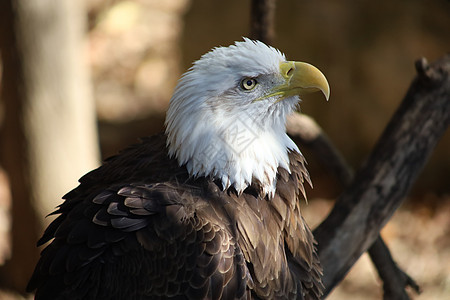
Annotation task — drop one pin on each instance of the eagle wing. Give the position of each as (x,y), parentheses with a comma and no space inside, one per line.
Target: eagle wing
(139,227)
(124,239)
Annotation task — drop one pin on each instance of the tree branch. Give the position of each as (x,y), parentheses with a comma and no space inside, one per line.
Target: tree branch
(262,20)
(394,279)
(305,131)
(381,184)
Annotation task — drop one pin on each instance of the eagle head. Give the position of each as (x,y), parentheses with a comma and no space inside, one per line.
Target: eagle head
(226,118)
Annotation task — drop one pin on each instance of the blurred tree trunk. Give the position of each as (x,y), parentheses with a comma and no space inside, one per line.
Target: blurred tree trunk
(49,135)
(262,20)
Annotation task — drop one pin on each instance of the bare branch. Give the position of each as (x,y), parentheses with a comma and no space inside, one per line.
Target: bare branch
(262,20)
(394,279)
(382,183)
(305,131)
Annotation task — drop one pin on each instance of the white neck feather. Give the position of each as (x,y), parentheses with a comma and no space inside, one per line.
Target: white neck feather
(234,149)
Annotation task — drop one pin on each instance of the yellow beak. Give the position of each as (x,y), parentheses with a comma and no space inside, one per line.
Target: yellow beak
(301,78)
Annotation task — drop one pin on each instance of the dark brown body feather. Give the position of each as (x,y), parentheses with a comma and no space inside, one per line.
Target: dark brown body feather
(139,227)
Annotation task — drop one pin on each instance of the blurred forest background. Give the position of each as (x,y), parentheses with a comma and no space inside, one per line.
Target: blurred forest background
(125,57)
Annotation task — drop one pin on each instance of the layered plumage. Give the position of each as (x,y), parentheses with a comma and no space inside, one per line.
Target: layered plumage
(208,210)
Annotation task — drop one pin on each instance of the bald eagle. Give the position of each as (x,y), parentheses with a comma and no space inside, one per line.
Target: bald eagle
(209,209)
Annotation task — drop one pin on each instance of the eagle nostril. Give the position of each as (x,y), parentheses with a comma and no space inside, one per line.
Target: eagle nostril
(289,72)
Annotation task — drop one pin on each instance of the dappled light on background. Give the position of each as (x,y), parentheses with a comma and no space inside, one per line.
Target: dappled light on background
(135,57)
(137,50)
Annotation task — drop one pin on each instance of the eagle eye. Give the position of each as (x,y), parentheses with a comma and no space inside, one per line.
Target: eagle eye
(248,83)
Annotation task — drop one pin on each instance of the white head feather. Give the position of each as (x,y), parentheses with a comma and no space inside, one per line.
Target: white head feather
(215,127)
